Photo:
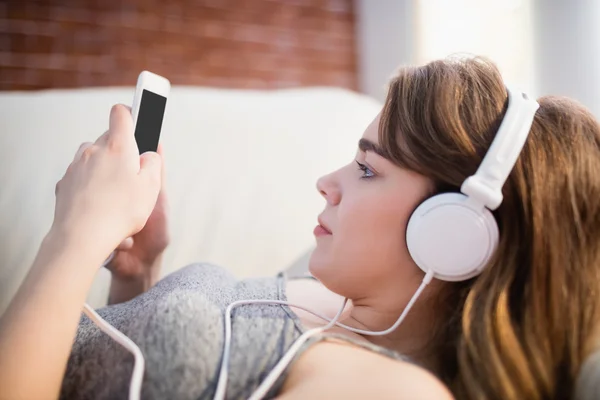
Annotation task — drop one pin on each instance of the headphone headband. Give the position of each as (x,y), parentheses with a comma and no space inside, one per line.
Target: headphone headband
(485,187)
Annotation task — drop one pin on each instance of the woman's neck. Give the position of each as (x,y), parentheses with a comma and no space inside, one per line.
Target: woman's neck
(412,338)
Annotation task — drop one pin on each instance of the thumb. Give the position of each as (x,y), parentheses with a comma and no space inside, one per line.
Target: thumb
(120,119)
(151,171)
(120,129)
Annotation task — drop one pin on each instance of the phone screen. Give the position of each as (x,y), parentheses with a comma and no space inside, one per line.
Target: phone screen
(149,121)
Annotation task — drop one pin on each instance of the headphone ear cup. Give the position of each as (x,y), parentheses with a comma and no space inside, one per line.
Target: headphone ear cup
(446,234)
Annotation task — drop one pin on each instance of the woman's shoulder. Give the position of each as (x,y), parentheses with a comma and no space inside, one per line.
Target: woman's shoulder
(336,368)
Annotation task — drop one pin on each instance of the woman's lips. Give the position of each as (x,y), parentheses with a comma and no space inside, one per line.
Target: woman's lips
(321,229)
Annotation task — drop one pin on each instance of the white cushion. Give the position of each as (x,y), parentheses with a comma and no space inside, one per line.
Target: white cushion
(241,170)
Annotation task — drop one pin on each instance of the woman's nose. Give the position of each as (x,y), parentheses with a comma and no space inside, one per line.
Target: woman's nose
(329,189)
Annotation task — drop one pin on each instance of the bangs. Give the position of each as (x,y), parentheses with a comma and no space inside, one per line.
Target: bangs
(403,118)
(438,119)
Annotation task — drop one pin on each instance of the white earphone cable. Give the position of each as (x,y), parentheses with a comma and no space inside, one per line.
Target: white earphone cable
(270,380)
(135,387)
(263,389)
(426,280)
(224,372)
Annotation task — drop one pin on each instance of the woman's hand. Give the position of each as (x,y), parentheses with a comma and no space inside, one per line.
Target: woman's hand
(136,255)
(109,191)
(137,262)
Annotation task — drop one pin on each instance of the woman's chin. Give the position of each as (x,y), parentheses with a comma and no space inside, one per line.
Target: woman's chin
(324,271)
(312,266)
(317,266)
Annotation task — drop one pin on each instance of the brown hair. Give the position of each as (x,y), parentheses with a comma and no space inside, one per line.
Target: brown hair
(522,328)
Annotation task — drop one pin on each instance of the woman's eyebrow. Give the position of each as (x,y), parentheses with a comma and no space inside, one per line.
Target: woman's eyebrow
(366,145)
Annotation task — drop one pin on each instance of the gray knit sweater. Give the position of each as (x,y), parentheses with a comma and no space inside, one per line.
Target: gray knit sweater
(179,326)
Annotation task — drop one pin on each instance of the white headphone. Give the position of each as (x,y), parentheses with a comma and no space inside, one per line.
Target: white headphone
(454,235)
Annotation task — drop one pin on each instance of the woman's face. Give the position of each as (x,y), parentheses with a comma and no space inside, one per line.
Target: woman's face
(369,202)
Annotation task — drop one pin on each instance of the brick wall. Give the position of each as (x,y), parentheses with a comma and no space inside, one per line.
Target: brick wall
(223,43)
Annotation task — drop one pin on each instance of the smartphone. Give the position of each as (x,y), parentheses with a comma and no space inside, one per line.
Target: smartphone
(148,109)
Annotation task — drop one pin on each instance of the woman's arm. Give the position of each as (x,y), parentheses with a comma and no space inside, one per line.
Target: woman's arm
(338,370)
(106,195)
(126,288)
(37,330)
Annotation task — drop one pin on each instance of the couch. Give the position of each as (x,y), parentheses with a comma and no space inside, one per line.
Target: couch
(241,168)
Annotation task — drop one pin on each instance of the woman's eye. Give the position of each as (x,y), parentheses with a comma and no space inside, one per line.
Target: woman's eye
(367,173)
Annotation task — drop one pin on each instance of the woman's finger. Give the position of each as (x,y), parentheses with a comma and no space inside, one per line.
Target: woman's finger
(120,127)
(120,132)
(102,138)
(126,244)
(81,149)
(161,152)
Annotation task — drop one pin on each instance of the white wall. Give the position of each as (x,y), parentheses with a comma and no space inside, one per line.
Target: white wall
(498,29)
(542,46)
(395,32)
(567,43)
(385,39)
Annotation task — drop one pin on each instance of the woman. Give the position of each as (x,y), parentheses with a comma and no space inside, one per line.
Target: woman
(519,330)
